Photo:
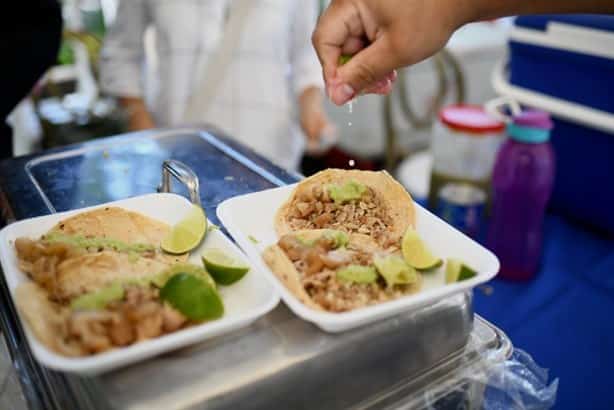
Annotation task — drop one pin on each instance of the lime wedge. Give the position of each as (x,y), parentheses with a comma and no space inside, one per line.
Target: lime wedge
(344,59)
(188,233)
(416,253)
(457,271)
(395,271)
(224,269)
(193,297)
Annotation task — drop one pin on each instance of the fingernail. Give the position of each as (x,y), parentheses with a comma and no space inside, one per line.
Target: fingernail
(343,94)
(382,83)
(386,89)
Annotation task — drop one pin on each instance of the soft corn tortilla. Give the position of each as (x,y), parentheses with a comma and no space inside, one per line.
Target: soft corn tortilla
(115,223)
(286,272)
(284,269)
(46,320)
(91,271)
(400,206)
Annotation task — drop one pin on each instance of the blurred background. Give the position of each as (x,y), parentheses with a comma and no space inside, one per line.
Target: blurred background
(68,105)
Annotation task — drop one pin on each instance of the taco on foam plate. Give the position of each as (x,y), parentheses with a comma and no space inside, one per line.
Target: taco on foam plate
(95,248)
(333,271)
(366,202)
(95,279)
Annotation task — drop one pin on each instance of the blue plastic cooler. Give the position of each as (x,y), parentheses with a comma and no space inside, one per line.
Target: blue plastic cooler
(565,65)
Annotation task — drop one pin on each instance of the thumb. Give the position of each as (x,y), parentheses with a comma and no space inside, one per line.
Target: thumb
(364,70)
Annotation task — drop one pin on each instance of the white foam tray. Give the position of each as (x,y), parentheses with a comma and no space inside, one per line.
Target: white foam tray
(244,301)
(252,216)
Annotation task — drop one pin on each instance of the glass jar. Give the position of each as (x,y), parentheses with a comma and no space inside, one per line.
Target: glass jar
(464,147)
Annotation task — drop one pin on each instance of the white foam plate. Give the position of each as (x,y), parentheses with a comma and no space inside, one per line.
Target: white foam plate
(250,220)
(244,302)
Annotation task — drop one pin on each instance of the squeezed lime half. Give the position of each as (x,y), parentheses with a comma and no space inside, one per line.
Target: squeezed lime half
(344,58)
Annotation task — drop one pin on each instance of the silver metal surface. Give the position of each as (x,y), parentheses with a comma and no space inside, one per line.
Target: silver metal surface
(457,382)
(283,362)
(184,174)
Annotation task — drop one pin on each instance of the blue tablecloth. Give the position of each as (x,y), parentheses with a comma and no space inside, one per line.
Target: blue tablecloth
(565,316)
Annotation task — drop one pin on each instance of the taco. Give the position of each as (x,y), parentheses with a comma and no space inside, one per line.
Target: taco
(365,202)
(95,282)
(92,249)
(333,271)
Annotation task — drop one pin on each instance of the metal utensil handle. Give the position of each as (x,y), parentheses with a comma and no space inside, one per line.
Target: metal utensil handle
(184,174)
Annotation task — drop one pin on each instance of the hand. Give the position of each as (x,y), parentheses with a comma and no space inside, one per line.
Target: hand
(382,35)
(138,116)
(313,119)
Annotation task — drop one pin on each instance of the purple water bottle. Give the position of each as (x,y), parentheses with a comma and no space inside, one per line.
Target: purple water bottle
(522,183)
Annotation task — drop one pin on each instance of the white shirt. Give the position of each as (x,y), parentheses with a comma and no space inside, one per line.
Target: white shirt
(255,102)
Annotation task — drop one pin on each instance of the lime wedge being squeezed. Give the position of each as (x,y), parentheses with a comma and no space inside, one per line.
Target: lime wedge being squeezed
(416,253)
(224,269)
(188,233)
(344,58)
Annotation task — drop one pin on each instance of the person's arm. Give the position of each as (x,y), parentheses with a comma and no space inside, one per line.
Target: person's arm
(122,59)
(384,35)
(312,116)
(307,84)
(139,117)
(490,9)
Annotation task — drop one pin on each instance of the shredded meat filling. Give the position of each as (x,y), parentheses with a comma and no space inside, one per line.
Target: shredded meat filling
(317,264)
(43,262)
(140,315)
(40,260)
(314,209)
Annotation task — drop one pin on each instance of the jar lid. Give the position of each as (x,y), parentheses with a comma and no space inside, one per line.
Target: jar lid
(470,118)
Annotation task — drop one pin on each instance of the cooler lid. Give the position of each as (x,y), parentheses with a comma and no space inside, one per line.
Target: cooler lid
(591,21)
(581,33)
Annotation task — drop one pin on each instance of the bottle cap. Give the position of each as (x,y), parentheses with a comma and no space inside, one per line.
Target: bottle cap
(531,127)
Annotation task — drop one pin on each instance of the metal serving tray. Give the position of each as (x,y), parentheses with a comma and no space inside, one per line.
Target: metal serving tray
(280,361)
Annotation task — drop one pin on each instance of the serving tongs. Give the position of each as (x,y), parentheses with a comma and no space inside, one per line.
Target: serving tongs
(184,174)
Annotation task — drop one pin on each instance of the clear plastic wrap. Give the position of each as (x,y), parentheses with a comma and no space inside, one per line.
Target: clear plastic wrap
(519,383)
(488,374)
(516,383)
